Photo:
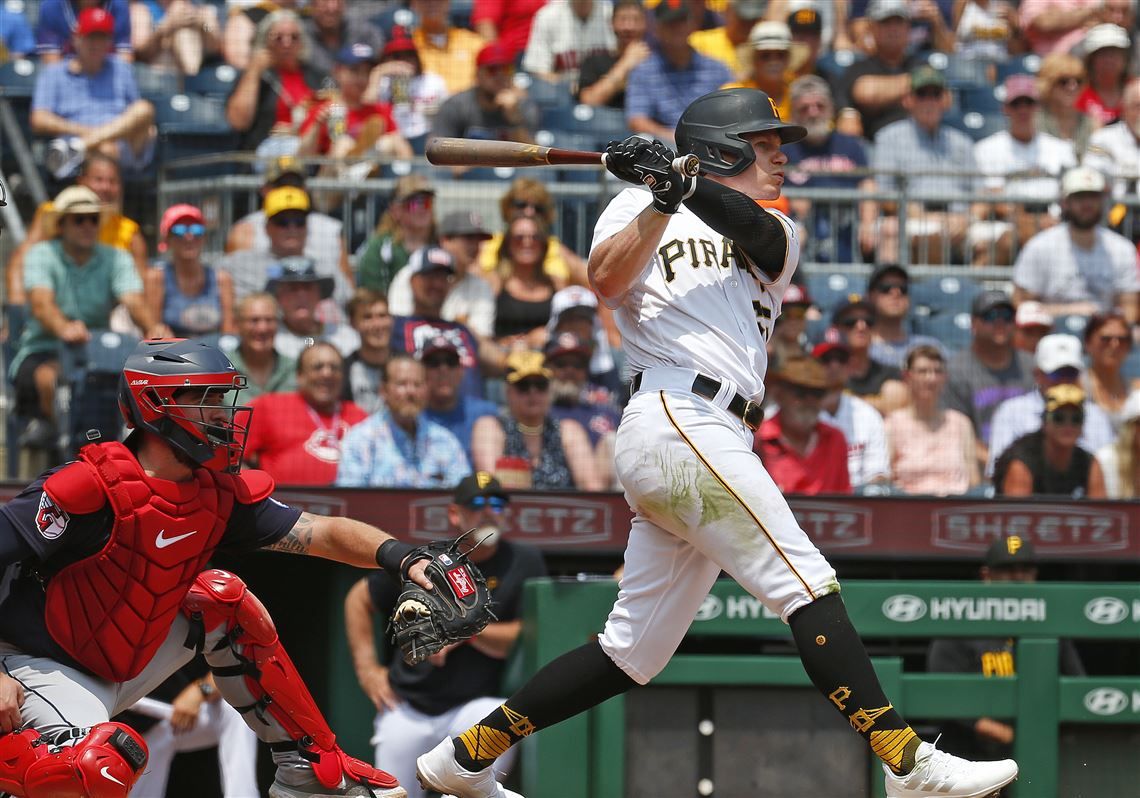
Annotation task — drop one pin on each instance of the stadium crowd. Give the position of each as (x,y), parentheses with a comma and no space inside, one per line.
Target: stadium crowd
(439,345)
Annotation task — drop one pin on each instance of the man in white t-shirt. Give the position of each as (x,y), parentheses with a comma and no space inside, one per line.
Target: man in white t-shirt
(563,34)
(1080,267)
(861,424)
(1020,163)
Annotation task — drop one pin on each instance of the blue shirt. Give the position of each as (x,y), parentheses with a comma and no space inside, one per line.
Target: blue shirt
(938,165)
(661,91)
(461,421)
(56,25)
(832,227)
(15,34)
(87,100)
(378,454)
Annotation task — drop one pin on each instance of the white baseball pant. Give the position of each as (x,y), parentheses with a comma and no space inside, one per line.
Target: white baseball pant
(702,503)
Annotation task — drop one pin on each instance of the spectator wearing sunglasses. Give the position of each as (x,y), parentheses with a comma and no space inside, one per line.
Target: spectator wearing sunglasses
(788,339)
(523,291)
(407,224)
(416,704)
(1058,362)
(299,290)
(889,293)
(933,451)
(861,424)
(1108,341)
(525,444)
(1049,461)
(191,298)
(802,453)
(447,405)
(877,384)
(398,446)
(73,283)
(991,370)
(1060,80)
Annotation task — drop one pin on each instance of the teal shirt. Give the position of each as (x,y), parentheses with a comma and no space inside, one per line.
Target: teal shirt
(88,293)
(282,379)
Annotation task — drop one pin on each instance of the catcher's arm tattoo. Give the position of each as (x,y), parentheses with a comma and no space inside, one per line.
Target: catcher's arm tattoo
(299,539)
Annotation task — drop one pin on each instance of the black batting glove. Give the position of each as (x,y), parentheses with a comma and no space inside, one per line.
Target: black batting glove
(655,170)
(623,156)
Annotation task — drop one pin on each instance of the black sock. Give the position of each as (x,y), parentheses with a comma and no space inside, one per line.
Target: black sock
(838,665)
(572,683)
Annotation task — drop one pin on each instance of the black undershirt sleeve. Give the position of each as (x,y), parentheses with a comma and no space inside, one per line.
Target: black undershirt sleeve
(756,233)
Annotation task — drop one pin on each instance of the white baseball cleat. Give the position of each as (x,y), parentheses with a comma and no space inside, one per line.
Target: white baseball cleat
(437,770)
(937,773)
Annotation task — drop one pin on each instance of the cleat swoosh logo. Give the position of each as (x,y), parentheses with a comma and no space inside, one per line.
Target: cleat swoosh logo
(105,774)
(162,542)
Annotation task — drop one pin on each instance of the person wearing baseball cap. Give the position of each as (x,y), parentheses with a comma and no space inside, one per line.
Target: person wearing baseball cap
(1079,267)
(57,26)
(573,395)
(800,452)
(1106,49)
(1059,361)
(876,383)
(494,108)
(447,404)
(806,26)
(1020,149)
(1032,322)
(888,289)
(190,297)
(575,309)
(879,83)
(1049,461)
(788,339)
(92,103)
(990,370)
(463,681)
(413,94)
(332,26)
(1011,559)
(298,288)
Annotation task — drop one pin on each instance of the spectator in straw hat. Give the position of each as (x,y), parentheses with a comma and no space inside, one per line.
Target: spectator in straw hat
(769,68)
(73,283)
(801,452)
(298,289)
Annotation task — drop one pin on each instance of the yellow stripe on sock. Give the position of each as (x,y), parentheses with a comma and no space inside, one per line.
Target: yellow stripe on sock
(890,745)
(484,743)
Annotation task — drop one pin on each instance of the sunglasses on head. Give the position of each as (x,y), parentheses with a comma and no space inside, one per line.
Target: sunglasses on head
(1067,416)
(441,361)
(851,322)
(180,230)
(281,220)
(997,314)
(84,218)
(888,288)
(530,386)
(496,503)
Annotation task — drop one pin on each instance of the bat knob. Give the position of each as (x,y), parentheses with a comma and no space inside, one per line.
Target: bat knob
(688,165)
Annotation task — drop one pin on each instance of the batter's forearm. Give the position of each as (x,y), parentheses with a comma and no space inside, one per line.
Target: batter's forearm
(617,262)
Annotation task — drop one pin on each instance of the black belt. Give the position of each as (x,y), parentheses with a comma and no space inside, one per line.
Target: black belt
(745,409)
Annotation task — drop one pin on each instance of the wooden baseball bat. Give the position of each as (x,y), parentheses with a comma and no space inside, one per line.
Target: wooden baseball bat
(479,152)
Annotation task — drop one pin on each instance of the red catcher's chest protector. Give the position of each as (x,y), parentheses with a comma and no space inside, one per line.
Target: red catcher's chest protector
(112,610)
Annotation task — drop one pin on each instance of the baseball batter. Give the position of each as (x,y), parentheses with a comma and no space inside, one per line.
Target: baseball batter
(104,592)
(695,271)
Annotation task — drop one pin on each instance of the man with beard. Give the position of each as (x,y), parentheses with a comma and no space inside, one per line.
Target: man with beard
(446,404)
(1079,267)
(494,108)
(416,704)
(832,229)
(800,452)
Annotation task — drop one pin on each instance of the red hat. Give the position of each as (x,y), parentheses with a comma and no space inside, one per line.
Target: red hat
(795,295)
(399,44)
(494,54)
(176,213)
(94,20)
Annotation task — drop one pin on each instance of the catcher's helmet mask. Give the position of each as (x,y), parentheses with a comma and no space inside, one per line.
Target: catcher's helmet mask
(714,125)
(186,393)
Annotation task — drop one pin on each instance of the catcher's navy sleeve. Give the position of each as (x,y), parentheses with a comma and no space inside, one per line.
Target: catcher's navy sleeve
(255,526)
(36,518)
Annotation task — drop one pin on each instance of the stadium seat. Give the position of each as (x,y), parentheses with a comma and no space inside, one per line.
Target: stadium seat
(18,78)
(213,81)
(1071,325)
(1131,368)
(952,329)
(832,65)
(983,99)
(94,370)
(830,290)
(959,71)
(941,295)
(599,124)
(546,94)
(974,124)
(156,85)
(191,125)
(1019,65)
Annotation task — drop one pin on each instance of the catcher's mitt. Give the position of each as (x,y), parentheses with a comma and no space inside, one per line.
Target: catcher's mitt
(457,607)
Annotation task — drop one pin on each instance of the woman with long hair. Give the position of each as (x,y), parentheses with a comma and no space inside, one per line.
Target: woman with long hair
(1108,340)
(529,197)
(406,225)
(1059,82)
(1120,460)
(523,291)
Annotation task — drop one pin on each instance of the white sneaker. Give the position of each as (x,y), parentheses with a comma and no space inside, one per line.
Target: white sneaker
(437,770)
(947,776)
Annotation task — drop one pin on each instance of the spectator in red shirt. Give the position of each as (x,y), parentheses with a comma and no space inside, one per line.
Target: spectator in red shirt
(802,453)
(343,124)
(505,21)
(301,442)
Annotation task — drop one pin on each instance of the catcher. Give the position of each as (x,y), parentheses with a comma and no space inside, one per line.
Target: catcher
(103,560)
(448,691)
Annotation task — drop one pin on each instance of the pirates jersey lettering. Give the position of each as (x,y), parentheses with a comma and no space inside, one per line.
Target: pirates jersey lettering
(711,312)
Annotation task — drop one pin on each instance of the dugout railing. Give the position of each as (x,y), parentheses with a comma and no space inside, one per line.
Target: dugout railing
(587,755)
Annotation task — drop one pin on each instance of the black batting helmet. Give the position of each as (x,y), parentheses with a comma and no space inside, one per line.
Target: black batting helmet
(712,126)
(206,424)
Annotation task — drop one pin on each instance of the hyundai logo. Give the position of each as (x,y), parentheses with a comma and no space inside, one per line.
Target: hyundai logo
(1106,701)
(1106,610)
(904,608)
(710,608)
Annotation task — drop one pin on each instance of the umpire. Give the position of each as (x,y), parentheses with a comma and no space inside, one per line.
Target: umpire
(417,705)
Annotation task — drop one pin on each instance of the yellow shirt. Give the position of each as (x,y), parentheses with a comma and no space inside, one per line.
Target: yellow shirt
(451,56)
(715,44)
(784,105)
(117,231)
(554,266)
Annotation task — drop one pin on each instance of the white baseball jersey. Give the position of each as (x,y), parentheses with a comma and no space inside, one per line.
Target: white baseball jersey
(697,305)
